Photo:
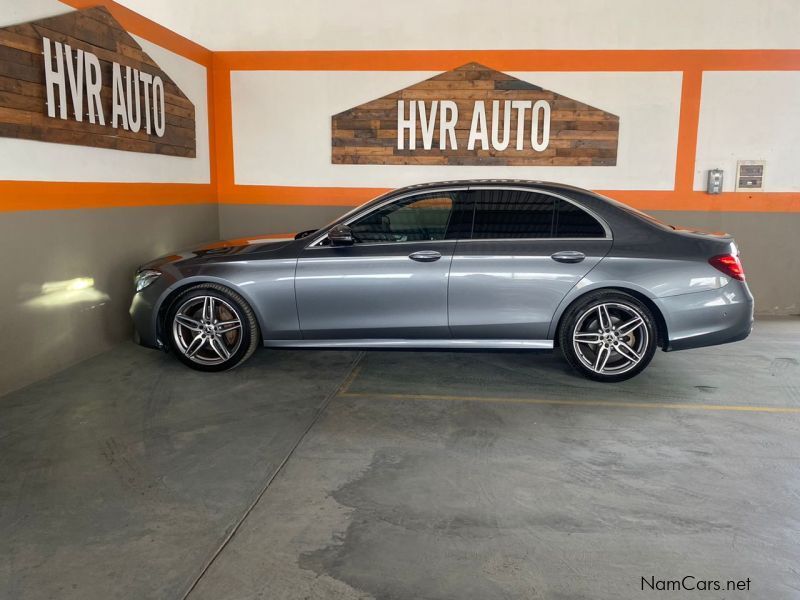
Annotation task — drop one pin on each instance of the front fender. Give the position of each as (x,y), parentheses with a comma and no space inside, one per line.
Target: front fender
(267,286)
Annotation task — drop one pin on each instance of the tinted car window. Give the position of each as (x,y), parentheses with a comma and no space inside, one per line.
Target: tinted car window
(513,214)
(460,226)
(574,222)
(418,218)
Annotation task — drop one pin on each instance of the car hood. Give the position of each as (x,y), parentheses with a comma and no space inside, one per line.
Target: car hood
(246,244)
(224,248)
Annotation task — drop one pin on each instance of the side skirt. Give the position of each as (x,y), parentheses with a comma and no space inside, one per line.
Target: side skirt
(418,343)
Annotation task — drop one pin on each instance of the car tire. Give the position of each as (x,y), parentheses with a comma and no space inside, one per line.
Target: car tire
(608,336)
(211,328)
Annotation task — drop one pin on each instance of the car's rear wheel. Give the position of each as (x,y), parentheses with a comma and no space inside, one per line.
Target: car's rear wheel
(212,328)
(609,336)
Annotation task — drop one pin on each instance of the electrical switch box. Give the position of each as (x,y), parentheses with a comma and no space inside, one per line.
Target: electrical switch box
(714,185)
(750,175)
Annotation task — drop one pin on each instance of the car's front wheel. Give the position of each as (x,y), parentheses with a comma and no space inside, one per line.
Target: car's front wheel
(609,336)
(211,328)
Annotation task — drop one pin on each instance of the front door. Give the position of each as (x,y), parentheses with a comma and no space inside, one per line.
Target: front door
(392,282)
(527,251)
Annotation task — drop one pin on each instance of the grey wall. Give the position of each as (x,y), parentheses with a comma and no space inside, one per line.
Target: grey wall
(766,241)
(240,220)
(767,245)
(47,324)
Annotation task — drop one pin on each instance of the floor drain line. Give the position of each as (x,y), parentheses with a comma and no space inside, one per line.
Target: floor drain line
(343,386)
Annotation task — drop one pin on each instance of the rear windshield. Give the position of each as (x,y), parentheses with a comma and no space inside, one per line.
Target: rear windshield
(635,212)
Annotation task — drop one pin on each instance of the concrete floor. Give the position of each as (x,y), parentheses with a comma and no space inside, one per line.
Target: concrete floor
(404,475)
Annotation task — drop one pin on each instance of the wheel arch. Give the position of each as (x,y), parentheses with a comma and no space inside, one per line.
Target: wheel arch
(661,323)
(175,290)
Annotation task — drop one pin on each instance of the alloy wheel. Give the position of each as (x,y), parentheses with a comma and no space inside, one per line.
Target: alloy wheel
(610,338)
(207,330)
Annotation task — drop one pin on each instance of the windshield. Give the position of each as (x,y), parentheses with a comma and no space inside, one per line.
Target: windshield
(353,211)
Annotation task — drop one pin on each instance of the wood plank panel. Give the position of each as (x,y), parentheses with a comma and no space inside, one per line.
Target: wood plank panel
(23,109)
(579,134)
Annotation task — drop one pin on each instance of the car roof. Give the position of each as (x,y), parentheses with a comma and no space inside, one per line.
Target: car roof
(550,185)
(606,208)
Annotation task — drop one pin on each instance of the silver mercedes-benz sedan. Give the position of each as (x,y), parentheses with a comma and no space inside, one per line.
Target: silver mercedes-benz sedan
(464,264)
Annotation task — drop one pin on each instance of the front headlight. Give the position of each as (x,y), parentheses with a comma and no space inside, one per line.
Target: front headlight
(145,277)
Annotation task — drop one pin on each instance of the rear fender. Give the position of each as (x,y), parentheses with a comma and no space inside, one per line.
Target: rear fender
(586,286)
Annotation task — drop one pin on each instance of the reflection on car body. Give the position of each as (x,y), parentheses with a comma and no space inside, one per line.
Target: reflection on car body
(469,264)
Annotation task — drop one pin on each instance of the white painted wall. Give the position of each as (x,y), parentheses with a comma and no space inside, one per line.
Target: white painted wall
(456,24)
(282,129)
(750,116)
(13,11)
(29,160)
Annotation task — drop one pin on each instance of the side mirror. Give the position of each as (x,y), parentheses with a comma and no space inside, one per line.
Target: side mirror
(341,235)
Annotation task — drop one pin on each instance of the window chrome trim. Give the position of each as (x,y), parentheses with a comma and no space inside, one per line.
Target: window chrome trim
(543,239)
(369,244)
(316,243)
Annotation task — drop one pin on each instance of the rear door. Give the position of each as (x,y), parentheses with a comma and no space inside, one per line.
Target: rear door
(528,248)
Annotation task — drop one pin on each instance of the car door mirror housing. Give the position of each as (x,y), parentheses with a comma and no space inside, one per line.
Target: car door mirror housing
(341,235)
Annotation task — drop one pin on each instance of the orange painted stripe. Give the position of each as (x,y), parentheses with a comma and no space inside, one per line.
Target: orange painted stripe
(691,62)
(223,133)
(56,195)
(512,60)
(150,30)
(641,199)
(299,196)
(157,34)
(788,202)
(691,88)
(52,195)
(211,102)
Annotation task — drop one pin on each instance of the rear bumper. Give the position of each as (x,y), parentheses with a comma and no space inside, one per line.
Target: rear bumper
(708,318)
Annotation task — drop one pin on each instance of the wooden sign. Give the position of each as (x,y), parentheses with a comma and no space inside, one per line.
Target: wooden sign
(79,78)
(474,115)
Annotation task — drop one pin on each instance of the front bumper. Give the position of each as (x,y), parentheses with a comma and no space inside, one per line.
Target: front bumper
(708,318)
(144,314)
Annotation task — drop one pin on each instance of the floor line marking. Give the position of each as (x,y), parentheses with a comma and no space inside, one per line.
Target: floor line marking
(336,393)
(604,403)
(351,377)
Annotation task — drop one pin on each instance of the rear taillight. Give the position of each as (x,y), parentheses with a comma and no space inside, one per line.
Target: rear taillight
(728,264)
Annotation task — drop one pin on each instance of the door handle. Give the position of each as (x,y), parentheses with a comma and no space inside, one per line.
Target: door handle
(568,256)
(425,256)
